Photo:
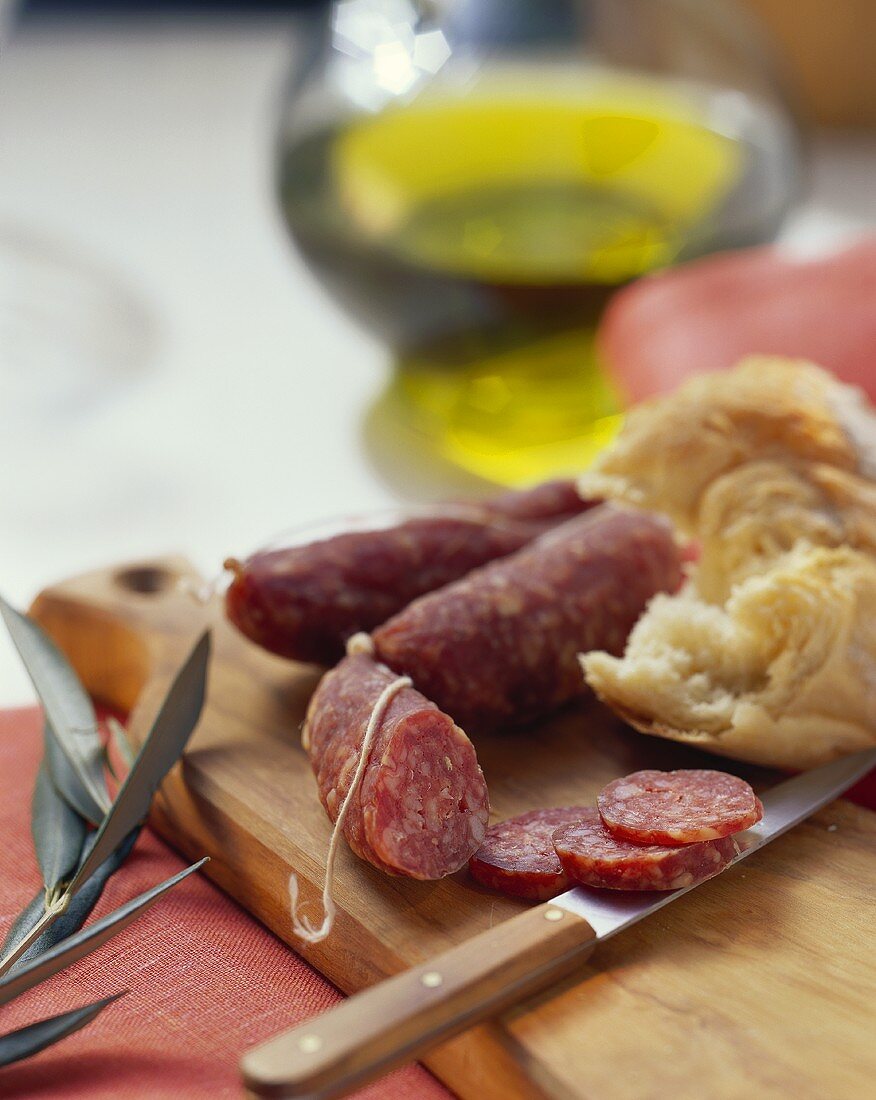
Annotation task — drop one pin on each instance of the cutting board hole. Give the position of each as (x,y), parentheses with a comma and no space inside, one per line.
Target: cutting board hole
(145,579)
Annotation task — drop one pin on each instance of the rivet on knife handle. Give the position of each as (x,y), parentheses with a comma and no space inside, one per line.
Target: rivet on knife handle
(393,1022)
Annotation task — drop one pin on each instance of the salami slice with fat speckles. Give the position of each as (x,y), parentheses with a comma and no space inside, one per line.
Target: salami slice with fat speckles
(517,856)
(500,647)
(422,808)
(678,807)
(591,856)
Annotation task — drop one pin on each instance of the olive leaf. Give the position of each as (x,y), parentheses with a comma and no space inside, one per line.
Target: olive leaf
(76,947)
(35,931)
(67,779)
(68,708)
(161,749)
(77,912)
(108,764)
(58,830)
(22,931)
(30,1040)
(59,836)
(70,792)
(122,741)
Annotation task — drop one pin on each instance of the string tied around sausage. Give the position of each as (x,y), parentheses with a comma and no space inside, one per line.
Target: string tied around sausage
(302,926)
(360,643)
(201,591)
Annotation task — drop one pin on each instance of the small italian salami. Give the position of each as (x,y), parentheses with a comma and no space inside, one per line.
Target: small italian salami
(680,807)
(499,647)
(421,808)
(549,503)
(517,856)
(591,856)
(304,602)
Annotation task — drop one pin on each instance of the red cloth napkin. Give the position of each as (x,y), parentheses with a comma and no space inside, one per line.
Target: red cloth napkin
(206,980)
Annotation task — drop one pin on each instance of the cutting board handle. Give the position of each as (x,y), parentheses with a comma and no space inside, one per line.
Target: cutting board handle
(124,627)
(399,1019)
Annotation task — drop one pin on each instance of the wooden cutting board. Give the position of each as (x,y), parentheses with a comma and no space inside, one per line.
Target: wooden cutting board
(758,983)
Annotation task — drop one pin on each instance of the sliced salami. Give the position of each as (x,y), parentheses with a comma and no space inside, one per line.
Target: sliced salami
(517,856)
(422,808)
(305,601)
(679,807)
(591,856)
(500,646)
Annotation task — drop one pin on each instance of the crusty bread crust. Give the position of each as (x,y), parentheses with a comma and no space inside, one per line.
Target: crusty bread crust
(673,448)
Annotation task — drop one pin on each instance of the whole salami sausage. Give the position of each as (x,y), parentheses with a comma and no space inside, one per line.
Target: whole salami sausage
(304,602)
(517,856)
(549,503)
(680,807)
(590,855)
(422,806)
(500,646)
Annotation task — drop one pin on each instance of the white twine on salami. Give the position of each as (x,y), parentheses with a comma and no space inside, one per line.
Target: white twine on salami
(202,592)
(303,928)
(360,643)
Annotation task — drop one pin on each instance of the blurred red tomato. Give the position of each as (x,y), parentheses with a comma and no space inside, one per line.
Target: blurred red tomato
(708,314)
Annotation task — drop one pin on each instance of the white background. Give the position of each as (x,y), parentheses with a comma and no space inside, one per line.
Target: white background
(171,379)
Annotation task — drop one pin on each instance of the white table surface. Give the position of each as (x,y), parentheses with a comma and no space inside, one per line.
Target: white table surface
(138,158)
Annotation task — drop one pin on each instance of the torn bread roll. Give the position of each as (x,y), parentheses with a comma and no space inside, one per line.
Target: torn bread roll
(784,675)
(768,653)
(673,448)
(753,515)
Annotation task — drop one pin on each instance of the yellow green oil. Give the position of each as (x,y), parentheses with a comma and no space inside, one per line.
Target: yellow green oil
(481,235)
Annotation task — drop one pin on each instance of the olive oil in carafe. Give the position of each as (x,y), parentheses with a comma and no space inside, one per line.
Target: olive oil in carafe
(482,235)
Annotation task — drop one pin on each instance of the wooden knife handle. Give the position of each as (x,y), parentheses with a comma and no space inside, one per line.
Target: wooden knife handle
(397,1020)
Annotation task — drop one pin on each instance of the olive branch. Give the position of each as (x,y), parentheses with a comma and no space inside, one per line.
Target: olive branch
(81,834)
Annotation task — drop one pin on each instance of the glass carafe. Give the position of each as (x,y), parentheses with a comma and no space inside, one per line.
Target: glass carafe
(473,180)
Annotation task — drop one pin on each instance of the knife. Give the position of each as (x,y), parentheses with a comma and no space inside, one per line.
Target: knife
(399,1019)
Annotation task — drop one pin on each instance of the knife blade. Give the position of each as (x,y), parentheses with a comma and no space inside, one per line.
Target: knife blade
(400,1018)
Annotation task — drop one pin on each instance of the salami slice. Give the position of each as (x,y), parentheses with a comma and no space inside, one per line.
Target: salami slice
(500,646)
(680,807)
(422,807)
(591,856)
(517,856)
(305,601)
